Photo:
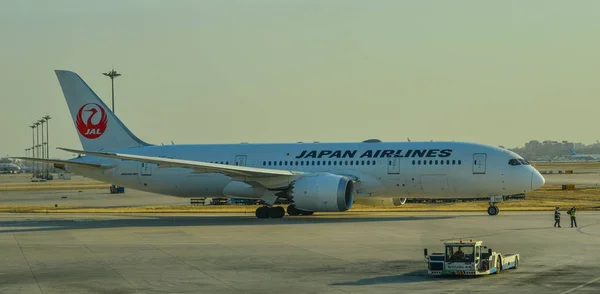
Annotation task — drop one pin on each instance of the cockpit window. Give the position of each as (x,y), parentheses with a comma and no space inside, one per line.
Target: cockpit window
(514,162)
(524,162)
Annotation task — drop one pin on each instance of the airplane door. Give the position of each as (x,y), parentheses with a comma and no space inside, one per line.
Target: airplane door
(146,169)
(393,165)
(479,163)
(240,160)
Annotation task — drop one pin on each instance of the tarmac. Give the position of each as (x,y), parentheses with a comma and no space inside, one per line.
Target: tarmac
(237,253)
(324,253)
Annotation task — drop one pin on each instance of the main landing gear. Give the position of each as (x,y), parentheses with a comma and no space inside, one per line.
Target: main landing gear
(292,210)
(270,212)
(279,212)
(493,209)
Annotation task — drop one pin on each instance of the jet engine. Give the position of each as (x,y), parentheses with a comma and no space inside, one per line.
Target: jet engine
(324,193)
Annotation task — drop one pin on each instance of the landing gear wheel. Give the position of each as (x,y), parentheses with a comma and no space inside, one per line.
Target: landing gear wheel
(516,263)
(262,212)
(304,212)
(292,210)
(493,210)
(276,212)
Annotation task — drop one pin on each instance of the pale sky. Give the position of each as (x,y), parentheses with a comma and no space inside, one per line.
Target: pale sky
(496,72)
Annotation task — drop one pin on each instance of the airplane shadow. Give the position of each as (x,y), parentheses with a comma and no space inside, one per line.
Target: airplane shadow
(39,223)
(417,276)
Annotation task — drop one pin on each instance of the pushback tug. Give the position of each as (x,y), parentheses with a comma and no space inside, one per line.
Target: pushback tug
(469,259)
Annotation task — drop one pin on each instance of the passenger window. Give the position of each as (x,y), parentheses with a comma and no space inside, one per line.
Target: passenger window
(413,162)
(441,162)
(373,162)
(424,162)
(368,162)
(269,163)
(419,162)
(430,162)
(264,163)
(453,162)
(280,163)
(459,162)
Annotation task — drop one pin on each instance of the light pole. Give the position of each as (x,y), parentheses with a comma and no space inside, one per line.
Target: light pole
(43,164)
(33,147)
(47,118)
(38,144)
(112,75)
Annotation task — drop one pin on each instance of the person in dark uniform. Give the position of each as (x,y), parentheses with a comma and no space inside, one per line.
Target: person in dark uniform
(572,214)
(557,217)
(458,255)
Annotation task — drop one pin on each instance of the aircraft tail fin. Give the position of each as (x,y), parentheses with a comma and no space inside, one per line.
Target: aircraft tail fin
(572,151)
(97,126)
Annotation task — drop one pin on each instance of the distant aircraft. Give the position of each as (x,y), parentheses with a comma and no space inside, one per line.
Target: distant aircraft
(584,156)
(313,177)
(9,168)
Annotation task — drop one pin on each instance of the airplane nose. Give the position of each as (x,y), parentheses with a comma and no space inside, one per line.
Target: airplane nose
(537,180)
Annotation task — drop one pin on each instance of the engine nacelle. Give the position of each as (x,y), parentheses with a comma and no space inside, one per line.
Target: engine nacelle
(324,193)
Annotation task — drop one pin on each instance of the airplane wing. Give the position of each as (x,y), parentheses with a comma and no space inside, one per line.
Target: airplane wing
(68,162)
(198,166)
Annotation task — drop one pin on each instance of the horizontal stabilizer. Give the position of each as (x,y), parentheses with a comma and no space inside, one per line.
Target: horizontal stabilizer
(67,162)
(198,166)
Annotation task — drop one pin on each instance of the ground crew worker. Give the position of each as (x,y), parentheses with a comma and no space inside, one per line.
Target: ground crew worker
(572,213)
(458,255)
(557,217)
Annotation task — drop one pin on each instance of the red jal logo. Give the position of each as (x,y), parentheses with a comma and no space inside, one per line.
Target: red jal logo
(88,128)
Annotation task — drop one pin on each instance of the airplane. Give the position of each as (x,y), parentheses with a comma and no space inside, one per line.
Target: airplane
(584,156)
(313,177)
(9,168)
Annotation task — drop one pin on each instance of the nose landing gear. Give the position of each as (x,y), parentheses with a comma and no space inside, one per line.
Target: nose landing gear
(493,209)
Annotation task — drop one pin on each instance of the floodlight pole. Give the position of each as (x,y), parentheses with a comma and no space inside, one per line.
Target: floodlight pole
(112,75)
(47,118)
(33,146)
(43,165)
(37,128)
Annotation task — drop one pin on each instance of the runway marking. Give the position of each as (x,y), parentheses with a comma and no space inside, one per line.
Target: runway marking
(581,286)
(112,268)
(195,267)
(28,265)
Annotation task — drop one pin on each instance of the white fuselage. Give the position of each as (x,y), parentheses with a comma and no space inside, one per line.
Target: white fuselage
(396,169)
